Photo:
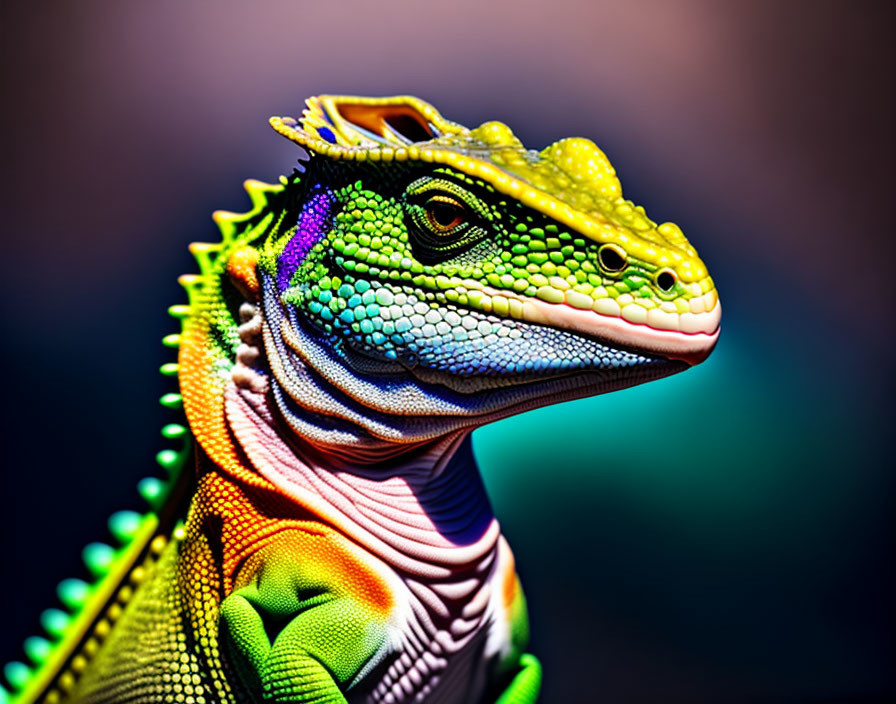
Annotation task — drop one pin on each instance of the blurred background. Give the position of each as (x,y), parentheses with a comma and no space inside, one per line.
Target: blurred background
(720,536)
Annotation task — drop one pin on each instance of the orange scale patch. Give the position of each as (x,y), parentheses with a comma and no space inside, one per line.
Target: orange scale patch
(319,559)
(262,529)
(509,582)
(203,395)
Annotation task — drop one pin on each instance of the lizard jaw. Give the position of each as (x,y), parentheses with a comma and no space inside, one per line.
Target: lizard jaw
(692,345)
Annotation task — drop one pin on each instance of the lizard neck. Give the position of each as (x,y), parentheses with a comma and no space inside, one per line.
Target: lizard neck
(424,510)
(410,495)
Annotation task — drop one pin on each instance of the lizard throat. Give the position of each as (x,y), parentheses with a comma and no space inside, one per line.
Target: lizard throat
(353,404)
(423,512)
(384,505)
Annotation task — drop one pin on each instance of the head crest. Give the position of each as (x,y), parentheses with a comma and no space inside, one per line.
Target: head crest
(571,181)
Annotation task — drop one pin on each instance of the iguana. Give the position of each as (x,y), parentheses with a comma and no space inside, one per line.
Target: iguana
(412,280)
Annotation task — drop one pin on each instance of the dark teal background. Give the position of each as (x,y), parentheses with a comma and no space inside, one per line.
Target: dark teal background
(724,535)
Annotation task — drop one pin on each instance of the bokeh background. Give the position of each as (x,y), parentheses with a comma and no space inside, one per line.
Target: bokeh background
(721,536)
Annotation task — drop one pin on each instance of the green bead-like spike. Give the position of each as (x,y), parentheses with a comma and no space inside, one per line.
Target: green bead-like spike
(168,459)
(179,311)
(171,401)
(37,649)
(152,490)
(98,557)
(54,622)
(124,525)
(17,673)
(172,431)
(172,340)
(169,369)
(73,593)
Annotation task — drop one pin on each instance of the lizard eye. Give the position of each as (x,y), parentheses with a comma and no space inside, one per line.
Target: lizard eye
(445,219)
(444,213)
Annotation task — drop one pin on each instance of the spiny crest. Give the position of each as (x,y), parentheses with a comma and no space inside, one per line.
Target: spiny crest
(571,181)
(207,308)
(72,634)
(209,337)
(237,229)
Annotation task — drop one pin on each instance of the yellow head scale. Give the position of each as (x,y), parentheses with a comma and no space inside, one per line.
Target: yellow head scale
(572,180)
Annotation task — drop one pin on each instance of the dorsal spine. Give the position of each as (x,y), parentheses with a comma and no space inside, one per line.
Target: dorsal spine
(72,631)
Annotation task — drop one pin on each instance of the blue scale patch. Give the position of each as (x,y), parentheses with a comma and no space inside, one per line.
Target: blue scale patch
(327,134)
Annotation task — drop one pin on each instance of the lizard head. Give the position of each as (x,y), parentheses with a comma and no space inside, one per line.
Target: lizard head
(435,277)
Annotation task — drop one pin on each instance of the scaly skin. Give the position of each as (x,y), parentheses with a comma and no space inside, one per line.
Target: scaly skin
(413,281)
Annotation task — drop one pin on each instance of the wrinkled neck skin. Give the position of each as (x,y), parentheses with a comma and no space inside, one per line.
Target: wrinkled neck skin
(377,451)
(411,496)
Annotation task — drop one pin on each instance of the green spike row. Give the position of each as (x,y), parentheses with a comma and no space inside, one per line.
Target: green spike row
(174,431)
(82,600)
(192,284)
(17,674)
(55,622)
(37,649)
(73,593)
(204,253)
(172,400)
(169,460)
(228,223)
(99,558)
(179,311)
(124,525)
(153,491)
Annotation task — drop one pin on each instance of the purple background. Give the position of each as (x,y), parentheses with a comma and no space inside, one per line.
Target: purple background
(765,129)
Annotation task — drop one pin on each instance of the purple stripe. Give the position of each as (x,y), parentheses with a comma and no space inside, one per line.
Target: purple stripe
(312,227)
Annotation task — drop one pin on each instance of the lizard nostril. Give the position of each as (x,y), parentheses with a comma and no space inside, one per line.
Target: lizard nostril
(665,280)
(612,258)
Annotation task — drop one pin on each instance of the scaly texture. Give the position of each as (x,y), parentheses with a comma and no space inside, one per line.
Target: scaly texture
(412,281)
